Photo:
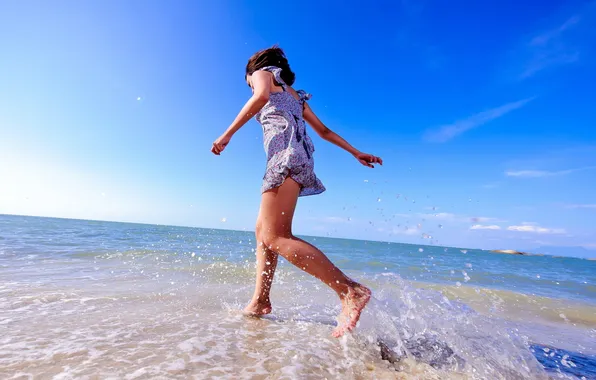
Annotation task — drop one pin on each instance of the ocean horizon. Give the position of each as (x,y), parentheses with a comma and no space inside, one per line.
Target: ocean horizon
(528,252)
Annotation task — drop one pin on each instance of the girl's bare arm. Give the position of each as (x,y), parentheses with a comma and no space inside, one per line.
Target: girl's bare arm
(261,84)
(327,134)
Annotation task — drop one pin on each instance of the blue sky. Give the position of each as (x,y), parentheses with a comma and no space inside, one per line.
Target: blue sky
(482,111)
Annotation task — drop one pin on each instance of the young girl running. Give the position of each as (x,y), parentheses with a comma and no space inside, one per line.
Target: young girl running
(282,112)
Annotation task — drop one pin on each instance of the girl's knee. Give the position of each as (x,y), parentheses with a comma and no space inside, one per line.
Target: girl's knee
(273,240)
(260,232)
(265,236)
(269,240)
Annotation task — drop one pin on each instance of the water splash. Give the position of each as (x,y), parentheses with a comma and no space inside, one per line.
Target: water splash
(411,323)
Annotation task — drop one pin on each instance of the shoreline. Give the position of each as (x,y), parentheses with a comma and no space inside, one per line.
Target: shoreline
(518,305)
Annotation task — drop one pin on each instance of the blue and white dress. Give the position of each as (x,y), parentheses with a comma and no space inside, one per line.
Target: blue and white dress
(289,149)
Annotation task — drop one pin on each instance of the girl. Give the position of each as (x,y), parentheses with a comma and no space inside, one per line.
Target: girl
(282,112)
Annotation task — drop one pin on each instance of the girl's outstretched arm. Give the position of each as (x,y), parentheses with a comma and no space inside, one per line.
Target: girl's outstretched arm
(260,82)
(327,134)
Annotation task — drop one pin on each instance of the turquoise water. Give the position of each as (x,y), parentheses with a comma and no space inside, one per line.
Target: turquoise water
(116,280)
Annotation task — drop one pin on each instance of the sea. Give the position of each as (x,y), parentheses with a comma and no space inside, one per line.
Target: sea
(104,300)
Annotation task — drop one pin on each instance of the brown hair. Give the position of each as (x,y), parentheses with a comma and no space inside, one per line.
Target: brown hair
(273,56)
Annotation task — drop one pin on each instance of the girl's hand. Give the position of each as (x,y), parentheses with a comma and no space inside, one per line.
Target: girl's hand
(220,144)
(368,159)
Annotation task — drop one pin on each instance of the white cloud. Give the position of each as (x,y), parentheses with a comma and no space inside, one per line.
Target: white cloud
(544,173)
(551,48)
(400,230)
(567,39)
(335,219)
(534,228)
(548,36)
(402,215)
(450,217)
(406,231)
(443,216)
(586,206)
(484,219)
(330,219)
(447,132)
(484,227)
(446,216)
(527,173)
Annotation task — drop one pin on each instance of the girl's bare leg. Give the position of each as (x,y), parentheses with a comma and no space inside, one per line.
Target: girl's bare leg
(266,264)
(275,222)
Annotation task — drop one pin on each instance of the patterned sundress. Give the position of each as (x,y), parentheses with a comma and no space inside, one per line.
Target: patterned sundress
(289,149)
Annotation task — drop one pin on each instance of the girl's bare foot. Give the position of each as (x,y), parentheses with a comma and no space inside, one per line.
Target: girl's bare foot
(352,305)
(256,308)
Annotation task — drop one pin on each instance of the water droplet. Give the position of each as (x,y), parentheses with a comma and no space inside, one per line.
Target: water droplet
(378,199)
(366,181)
(193,254)
(458,284)
(468,265)
(223,220)
(440,226)
(466,277)
(537,276)
(139,98)
(464,251)
(420,249)
(283,213)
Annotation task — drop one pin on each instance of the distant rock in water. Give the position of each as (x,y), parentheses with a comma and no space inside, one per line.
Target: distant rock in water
(509,252)
(555,252)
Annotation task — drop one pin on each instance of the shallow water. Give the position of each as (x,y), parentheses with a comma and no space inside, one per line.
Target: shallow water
(83,299)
